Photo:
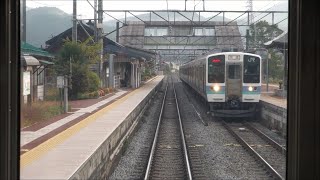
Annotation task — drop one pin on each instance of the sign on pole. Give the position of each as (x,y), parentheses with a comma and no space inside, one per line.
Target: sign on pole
(26,83)
(60,81)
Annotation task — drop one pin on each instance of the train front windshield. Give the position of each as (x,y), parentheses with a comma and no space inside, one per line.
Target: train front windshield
(216,69)
(251,69)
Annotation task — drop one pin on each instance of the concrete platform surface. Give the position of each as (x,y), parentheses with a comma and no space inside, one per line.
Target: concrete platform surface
(277,101)
(62,155)
(28,136)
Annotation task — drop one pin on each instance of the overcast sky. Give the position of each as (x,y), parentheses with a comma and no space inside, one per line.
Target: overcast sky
(86,11)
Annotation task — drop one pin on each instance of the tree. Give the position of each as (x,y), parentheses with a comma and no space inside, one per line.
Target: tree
(275,67)
(262,32)
(74,60)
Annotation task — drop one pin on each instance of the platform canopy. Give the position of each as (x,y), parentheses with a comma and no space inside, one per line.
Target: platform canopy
(28,49)
(279,42)
(29,61)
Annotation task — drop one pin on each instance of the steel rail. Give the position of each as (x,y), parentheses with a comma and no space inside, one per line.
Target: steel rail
(187,163)
(182,135)
(146,177)
(266,138)
(250,149)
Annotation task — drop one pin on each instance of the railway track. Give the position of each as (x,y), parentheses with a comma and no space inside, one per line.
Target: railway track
(169,157)
(269,153)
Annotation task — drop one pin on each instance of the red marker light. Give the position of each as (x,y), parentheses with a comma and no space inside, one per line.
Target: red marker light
(216,60)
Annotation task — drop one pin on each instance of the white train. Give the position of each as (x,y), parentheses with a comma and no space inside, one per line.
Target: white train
(230,82)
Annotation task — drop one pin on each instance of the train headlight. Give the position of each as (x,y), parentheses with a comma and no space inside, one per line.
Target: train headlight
(250,88)
(216,88)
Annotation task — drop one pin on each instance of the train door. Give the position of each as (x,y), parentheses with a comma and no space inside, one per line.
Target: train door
(234,81)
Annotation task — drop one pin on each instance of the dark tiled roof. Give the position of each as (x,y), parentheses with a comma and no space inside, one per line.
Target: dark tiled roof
(109,46)
(56,42)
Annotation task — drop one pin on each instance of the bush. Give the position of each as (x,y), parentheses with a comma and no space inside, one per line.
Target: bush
(39,111)
(90,95)
(94,81)
(105,91)
(146,75)
(83,81)
(52,94)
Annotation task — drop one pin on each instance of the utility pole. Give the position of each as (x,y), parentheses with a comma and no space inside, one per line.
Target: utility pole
(247,40)
(185,5)
(100,28)
(66,77)
(117,32)
(284,81)
(250,21)
(24,22)
(74,27)
(269,58)
(203,5)
(95,21)
(111,77)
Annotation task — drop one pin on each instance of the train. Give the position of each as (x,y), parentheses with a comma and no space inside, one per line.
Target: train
(229,82)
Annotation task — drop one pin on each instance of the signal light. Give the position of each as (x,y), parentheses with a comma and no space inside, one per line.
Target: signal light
(216,60)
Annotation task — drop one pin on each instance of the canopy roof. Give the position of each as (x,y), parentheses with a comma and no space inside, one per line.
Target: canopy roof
(278,42)
(28,49)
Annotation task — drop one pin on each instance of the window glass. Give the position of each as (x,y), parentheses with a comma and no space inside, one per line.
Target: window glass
(209,32)
(162,31)
(251,69)
(234,72)
(150,32)
(198,31)
(216,69)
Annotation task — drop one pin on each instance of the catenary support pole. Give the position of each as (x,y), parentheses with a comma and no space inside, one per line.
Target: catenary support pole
(74,20)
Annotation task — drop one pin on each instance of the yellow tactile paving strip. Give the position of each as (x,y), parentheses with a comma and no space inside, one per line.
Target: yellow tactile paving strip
(43,148)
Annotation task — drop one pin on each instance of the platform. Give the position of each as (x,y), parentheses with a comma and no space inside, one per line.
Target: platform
(273,112)
(84,149)
(277,101)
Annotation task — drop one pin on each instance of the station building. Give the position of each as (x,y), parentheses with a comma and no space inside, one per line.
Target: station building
(34,64)
(122,65)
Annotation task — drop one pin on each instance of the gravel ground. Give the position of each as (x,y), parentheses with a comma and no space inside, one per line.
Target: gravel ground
(222,157)
(218,153)
(133,163)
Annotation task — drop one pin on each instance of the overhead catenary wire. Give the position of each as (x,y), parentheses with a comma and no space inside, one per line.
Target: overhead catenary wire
(241,39)
(191,28)
(240,24)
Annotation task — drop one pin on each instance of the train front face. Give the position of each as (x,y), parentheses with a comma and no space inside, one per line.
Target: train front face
(233,84)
